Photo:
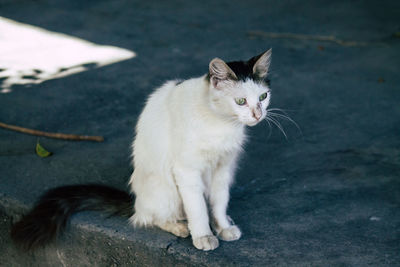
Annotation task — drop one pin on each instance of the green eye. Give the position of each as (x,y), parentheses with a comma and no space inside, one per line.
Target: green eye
(240,101)
(263,96)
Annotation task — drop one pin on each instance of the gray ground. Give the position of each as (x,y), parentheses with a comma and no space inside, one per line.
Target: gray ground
(327,196)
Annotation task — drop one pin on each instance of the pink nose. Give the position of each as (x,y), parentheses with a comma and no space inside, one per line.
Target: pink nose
(257,113)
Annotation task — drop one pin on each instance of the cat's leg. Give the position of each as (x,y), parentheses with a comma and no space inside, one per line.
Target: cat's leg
(219,198)
(191,189)
(157,203)
(178,228)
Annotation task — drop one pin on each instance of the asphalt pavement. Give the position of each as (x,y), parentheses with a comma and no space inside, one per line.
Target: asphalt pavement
(328,194)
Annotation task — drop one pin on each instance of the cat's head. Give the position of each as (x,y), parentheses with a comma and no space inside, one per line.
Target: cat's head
(240,90)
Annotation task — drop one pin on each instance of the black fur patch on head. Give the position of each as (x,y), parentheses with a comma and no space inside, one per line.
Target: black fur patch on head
(244,70)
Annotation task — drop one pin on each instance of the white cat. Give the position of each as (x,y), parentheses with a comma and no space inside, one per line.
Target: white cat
(188,140)
(185,152)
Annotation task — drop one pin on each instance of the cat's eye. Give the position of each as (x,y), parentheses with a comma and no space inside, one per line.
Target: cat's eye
(263,96)
(240,101)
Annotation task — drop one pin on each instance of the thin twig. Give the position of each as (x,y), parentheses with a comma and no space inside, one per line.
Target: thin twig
(323,38)
(73,137)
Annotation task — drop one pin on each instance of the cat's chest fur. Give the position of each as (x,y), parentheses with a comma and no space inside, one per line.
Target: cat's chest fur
(218,141)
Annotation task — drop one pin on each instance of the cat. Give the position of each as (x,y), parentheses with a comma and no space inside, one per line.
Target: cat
(188,140)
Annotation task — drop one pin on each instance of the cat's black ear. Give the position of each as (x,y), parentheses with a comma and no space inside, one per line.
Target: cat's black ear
(219,71)
(261,66)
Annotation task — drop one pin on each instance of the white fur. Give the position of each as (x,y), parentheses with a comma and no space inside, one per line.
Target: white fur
(188,139)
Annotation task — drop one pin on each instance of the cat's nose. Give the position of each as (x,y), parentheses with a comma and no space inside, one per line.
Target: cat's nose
(257,113)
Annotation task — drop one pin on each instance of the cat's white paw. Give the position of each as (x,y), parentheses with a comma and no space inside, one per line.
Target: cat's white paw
(177,228)
(181,230)
(208,242)
(230,234)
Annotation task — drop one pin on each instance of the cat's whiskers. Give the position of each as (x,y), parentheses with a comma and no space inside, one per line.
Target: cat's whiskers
(273,117)
(270,128)
(277,124)
(286,117)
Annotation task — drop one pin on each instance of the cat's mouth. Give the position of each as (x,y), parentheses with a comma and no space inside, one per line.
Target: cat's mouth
(253,123)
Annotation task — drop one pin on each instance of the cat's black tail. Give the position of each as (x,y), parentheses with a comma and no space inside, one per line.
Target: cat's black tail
(50,215)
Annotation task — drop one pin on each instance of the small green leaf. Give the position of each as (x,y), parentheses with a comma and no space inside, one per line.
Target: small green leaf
(41,151)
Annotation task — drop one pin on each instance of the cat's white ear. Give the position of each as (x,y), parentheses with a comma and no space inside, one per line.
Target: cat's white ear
(260,68)
(219,72)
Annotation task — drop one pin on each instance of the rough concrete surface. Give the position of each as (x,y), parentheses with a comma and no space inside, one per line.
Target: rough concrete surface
(328,195)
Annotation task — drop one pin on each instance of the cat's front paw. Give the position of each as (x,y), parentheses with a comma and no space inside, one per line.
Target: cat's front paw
(208,242)
(230,234)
